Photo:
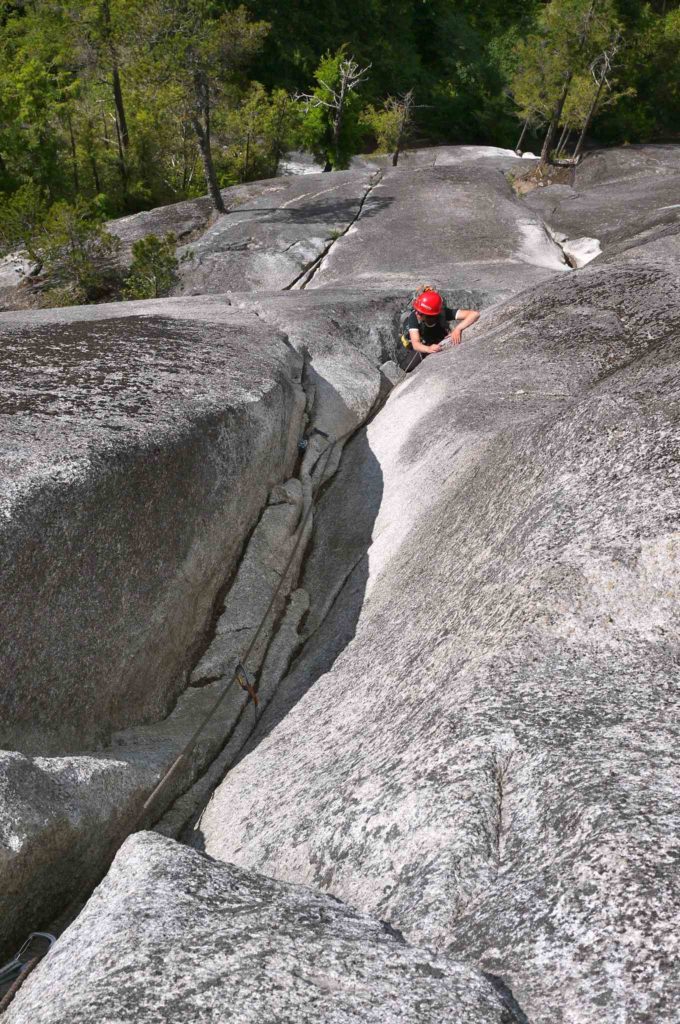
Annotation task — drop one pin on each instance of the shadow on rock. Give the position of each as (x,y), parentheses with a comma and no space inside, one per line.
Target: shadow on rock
(335,575)
(339,209)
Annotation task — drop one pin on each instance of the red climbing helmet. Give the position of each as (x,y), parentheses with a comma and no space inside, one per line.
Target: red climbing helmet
(428,303)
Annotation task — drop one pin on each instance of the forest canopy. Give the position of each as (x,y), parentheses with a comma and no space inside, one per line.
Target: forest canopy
(123,105)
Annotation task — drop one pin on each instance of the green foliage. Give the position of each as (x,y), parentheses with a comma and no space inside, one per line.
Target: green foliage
(154,268)
(258,133)
(126,102)
(76,251)
(331,128)
(22,216)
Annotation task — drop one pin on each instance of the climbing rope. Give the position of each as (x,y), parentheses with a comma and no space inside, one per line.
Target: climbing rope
(240,676)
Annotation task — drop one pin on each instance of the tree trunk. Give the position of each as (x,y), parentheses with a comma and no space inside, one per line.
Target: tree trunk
(120,108)
(74,158)
(554,122)
(208,166)
(115,77)
(337,120)
(200,122)
(566,132)
(95,173)
(122,166)
(589,118)
(328,166)
(518,147)
(246,160)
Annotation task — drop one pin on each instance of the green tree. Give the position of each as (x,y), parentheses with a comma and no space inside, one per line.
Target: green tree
(575,30)
(393,124)
(22,216)
(331,128)
(199,52)
(154,268)
(77,253)
(258,132)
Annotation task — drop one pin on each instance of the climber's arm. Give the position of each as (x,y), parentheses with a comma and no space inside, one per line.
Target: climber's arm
(418,345)
(466,318)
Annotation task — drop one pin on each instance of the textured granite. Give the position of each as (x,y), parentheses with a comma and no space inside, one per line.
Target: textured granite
(171,936)
(489,755)
(136,452)
(621,197)
(456,224)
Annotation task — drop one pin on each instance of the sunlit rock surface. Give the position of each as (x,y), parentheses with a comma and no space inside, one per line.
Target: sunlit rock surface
(477,738)
(136,453)
(488,755)
(171,935)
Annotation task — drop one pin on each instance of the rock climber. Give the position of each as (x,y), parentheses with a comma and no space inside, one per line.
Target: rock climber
(426,329)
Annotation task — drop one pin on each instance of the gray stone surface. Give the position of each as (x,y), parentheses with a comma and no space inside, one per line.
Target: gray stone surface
(456,224)
(581,251)
(343,335)
(136,453)
(171,936)
(273,231)
(621,197)
(275,540)
(490,761)
(478,741)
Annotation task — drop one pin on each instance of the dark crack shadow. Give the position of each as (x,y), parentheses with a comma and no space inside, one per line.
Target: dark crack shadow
(515,1011)
(339,541)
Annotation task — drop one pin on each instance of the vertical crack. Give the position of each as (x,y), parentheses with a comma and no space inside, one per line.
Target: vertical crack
(500,776)
(306,275)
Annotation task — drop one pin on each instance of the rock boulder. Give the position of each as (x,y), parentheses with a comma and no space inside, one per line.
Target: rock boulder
(172,936)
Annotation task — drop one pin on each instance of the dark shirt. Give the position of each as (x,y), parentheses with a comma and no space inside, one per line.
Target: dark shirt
(431,335)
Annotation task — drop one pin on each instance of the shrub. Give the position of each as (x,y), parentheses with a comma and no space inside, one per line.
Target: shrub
(154,268)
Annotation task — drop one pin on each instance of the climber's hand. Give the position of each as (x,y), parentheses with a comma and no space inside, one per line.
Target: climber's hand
(435,348)
(456,335)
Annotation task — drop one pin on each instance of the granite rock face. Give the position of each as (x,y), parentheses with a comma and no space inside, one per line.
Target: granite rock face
(477,738)
(172,936)
(273,232)
(137,452)
(490,760)
(456,224)
(619,197)
(343,336)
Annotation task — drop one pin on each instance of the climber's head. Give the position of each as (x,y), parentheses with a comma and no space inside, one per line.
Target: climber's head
(428,305)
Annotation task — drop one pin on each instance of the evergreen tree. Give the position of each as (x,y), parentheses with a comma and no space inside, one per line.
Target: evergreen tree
(199,52)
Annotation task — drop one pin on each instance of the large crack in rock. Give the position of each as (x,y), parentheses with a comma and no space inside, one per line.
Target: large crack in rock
(466,721)
(488,759)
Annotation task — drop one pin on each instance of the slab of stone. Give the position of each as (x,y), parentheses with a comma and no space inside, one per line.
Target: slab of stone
(273,232)
(457,225)
(184,220)
(488,758)
(249,618)
(581,251)
(343,335)
(621,197)
(172,936)
(137,449)
(622,163)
